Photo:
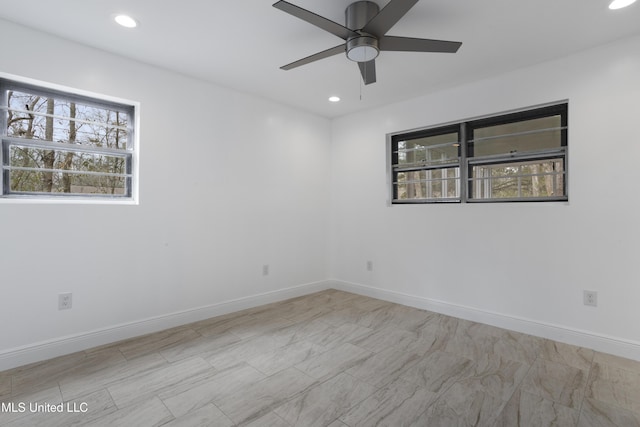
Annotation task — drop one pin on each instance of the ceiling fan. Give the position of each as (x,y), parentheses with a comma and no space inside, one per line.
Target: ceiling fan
(364,33)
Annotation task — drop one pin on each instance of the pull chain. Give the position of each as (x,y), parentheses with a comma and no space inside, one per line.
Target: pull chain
(360,80)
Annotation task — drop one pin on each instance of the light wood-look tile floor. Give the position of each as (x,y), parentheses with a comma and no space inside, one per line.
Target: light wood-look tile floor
(329,359)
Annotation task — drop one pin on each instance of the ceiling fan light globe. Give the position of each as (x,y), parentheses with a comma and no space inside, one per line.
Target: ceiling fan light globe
(362,49)
(362,53)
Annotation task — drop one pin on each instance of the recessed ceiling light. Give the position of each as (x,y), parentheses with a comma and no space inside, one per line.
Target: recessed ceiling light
(619,4)
(334,99)
(126,21)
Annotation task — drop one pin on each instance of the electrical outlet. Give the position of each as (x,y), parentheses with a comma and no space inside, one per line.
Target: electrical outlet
(265,270)
(590,298)
(369,265)
(65,301)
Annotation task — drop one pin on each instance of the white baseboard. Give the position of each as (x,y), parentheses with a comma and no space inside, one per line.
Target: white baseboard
(606,344)
(66,345)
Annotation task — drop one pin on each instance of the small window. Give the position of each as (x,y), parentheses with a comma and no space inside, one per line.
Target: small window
(58,144)
(514,157)
(426,166)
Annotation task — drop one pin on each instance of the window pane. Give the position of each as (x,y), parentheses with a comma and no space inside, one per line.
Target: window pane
(501,138)
(38,170)
(30,157)
(429,184)
(533,179)
(411,185)
(35,117)
(23,181)
(428,150)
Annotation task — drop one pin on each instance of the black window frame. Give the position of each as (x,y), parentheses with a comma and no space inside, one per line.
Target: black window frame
(467,160)
(425,133)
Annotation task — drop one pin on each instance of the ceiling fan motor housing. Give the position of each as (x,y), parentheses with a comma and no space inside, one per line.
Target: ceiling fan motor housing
(358,14)
(363,48)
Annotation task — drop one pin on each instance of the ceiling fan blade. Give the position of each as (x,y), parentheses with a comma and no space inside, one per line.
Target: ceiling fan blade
(315,57)
(317,20)
(408,44)
(368,71)
(388,16)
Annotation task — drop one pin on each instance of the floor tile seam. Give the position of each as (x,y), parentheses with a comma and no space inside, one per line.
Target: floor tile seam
(201,355)
(185,358)
(619,389)
(306,339)
(264,411)
(369,349)
(316,382)
(438,396)
(320,319)
(173,417)
(176,417)
(235,335)
(616,406)
(198,334)
(70,373)
(267,318)
(264,373)
(118,408)
(586,385)
(432,403)
(209,354)
(66,400)
(201,327)
(408,396)
(619,368)
(504,401)
(110,382)
(518,387)
(389,378)
(551,399)
(375,389)
(361,348)
(613,405)
(199,381)
(248,362)
(194,376)
(126,359)
(82,398)
(279,417)
(292,317)
(565,360)
(164,357)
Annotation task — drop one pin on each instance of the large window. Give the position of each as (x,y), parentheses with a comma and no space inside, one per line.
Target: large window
(58,144)
(513,157)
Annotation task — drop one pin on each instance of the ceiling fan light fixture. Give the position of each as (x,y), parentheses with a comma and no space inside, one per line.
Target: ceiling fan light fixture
(362,49)
(619,4)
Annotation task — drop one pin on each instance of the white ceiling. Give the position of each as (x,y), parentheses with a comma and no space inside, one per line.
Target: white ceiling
(241,44)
